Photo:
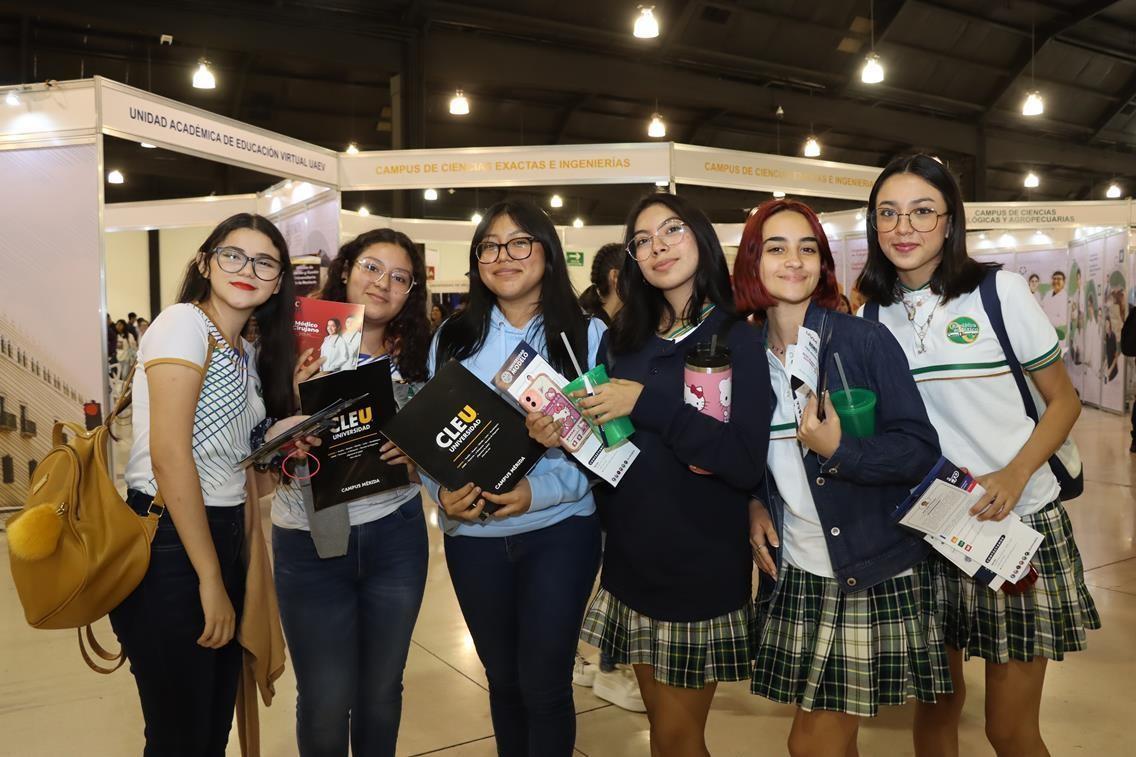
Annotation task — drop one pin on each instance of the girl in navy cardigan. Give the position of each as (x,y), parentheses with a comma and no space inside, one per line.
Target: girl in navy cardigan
(675,598)
(850,623)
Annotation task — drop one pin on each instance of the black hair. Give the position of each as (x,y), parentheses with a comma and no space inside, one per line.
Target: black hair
(644,306)
(131,315)
(465,333)
(608,258)
(957,272)
(338,325)
(1057,273)
(276,353)
(408,333)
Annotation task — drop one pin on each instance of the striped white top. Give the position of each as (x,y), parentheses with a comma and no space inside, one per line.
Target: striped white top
(229,407)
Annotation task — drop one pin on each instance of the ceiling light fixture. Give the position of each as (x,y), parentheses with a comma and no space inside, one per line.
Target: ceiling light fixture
(657,129)
(646,25)
(203,78)
(578,223)
(556,201)
(147,145)
(459,104)
(430,194)
(12,98)
(812,147)
(363,210)
(1034,104)
(779,195)
(873,70)
(476,217)
(352,149)
(662,183)
(1114,191)
(1031,181)
(115,177)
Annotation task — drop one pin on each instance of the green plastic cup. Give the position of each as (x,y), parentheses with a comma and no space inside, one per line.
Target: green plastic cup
(613,431)
(858,417)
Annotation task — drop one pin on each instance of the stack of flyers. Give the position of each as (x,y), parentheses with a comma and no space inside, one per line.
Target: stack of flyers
(992,551)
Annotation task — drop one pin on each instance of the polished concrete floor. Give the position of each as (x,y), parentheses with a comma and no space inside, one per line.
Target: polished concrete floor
(51,705)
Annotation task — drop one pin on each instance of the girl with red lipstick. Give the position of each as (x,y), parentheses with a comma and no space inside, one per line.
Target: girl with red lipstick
(675,591)
(350,578)
(920,283)
(199,392)
(849,624)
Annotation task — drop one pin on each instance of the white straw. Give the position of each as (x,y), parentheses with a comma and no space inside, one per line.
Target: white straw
(571,354)
(843,378)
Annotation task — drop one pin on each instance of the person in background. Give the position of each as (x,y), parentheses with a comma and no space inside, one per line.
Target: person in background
(199,393)
(132,325)
(333,349)
(437,316)
(126,344)
(924,287)
(142,324)
(601,299)
(843,305)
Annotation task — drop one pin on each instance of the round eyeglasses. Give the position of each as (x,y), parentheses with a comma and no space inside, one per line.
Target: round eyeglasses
(401,280)
(642,245)
(922,220)
(234,260)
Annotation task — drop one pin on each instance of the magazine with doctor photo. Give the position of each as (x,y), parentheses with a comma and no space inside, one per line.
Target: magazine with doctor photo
(331,330)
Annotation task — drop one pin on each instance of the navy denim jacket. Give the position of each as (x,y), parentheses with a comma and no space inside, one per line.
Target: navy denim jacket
(857,489)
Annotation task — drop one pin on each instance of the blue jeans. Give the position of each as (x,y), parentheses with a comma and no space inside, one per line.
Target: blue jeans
(348,622)
(523,598)
(188,692)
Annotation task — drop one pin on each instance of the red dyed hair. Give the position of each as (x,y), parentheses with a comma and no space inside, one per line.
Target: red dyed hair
(750,295)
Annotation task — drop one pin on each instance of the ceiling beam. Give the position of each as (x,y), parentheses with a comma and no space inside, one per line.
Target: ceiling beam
(1046,34)
(1125,100)
(674,30)
(566,118)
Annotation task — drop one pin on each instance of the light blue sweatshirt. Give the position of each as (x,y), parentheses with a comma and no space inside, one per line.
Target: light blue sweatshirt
(559,487)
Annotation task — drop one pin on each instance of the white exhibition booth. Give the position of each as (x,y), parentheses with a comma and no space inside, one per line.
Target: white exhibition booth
(70,259)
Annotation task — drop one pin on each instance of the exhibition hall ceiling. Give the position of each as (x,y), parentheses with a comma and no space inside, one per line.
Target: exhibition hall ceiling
(756,75)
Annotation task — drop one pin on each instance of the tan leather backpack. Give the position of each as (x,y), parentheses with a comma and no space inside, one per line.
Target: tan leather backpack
(76,549)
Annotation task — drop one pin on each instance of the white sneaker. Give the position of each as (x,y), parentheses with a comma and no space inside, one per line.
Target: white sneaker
(620,688)
(584,672)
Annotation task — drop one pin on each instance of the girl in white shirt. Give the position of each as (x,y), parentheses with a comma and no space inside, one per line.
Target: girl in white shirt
(921,284)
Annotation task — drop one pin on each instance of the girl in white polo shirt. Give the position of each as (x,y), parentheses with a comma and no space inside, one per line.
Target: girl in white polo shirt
(921,284)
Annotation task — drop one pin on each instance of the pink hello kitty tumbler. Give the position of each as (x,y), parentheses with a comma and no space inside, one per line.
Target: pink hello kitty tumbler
(708,383)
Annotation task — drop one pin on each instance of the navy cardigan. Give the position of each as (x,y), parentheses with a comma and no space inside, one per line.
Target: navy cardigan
(678,542)
(857,489)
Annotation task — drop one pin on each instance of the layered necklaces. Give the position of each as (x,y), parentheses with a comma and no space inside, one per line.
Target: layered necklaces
(912,308)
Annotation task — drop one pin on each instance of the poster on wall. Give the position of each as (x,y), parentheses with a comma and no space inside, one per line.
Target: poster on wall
(839,259)
(1114,309)
(311,234)
(53,336)
(1092,289)
(1047,274)
(1075,335)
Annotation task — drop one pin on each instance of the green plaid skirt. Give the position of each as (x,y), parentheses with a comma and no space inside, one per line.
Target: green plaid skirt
(1047,621)
(685,655)
(821,649)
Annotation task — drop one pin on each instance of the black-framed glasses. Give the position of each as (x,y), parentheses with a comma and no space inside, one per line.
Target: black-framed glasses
(517,248)
(922,220)
(401,280)
(642,245)
(234,260)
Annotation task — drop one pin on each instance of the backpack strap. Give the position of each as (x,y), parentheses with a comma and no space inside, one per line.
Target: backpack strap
(871,312)
(992,304)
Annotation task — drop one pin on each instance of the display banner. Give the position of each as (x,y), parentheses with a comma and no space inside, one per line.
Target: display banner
(1017,215)
(1114,309)
(712,167)
(133,113)
(856,252)
(506,166)
(1047,272)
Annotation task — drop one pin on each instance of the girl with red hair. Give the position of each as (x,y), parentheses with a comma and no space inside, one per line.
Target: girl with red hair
(847,621)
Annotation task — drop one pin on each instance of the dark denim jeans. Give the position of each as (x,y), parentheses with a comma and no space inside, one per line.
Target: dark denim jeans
(188,692)
(348,622)
(523,598)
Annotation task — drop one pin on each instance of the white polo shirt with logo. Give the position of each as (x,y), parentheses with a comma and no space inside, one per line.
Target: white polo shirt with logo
(965,380)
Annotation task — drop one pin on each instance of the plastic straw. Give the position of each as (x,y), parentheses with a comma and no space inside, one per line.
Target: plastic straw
(572,355)
(714,344)
(843,378)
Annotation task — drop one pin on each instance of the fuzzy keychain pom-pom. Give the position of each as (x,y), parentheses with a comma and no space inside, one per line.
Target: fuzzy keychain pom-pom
(35,534)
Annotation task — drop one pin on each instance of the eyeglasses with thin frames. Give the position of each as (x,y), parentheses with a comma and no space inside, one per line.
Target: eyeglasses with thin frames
(922,220)
(642,245)
(401,280)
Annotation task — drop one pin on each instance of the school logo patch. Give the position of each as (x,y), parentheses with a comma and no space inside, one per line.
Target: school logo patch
(962,330)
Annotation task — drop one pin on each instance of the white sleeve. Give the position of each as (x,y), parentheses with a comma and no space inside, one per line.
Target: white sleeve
(178,335)
(1032,336)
